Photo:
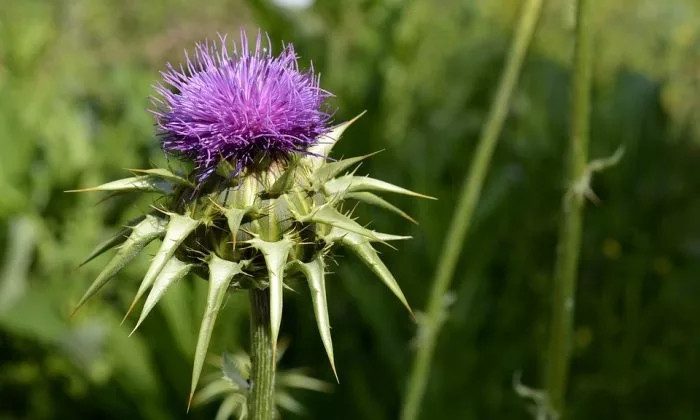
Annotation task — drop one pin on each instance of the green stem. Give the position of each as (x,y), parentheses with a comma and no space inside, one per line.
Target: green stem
(468,199)
(262,373)
(572,218)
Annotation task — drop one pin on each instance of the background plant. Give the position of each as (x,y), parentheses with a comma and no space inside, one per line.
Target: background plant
(74,78)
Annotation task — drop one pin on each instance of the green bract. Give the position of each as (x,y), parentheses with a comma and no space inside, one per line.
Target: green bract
(255,230)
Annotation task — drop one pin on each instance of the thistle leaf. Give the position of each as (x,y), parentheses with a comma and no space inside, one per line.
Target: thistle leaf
(221,272)
(328,215)
(315,273)
(173,271)
(275,254)
(116,239)
(351,183)
(144,183)
(179,227)
(141,235)
(364,250)
(331,169)
(166,175)
(375,200)
(322,149)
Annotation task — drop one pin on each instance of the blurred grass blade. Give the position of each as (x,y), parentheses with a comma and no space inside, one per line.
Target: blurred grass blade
(568,249)
(375,200)
(179,227)
(142,234)
(220,274)
(275,254)
(173,271)
(21,242)
(466,203)
(352,183)
(315,273)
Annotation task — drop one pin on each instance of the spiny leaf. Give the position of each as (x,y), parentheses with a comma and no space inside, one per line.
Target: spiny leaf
(322,149)
(275,254)
(351,183)
(328,215)
(141,235)
(375,200)
(179,227)
(173,271)
(315,273)
(220,274)
(364,250)
(144,183)
(114,240)
(166,175)
(331,169)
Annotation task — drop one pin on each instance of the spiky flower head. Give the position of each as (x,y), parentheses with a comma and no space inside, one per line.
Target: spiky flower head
(239,105)
(246,226)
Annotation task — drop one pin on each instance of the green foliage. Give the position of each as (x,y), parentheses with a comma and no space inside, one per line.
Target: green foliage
(74,82)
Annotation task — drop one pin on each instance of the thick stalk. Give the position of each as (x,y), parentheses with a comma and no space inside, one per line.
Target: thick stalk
(262,356)
(569,245)
(468,199)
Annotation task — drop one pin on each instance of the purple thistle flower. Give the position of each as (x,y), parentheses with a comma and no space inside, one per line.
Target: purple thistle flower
(239,107)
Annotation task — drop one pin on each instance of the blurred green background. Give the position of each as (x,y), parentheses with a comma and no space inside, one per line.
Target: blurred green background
(75,76)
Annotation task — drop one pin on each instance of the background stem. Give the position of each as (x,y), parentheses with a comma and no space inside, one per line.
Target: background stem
(569,245)
(468,200)
(262,357)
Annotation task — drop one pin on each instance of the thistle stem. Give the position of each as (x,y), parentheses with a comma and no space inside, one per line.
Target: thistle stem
(568,249)
(468,199)
(262,373)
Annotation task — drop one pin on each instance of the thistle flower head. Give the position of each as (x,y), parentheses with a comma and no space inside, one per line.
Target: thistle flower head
(266,227)
(239,105)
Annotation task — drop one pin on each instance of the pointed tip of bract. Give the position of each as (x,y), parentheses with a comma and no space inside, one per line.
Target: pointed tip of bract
(323,148)
(128,312)
(189,401)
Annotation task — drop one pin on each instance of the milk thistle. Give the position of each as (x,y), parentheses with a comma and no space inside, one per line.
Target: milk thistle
(260,203)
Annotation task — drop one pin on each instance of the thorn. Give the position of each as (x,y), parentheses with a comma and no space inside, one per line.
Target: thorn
(73,312)
(189,401)
(128,312)
(134,330)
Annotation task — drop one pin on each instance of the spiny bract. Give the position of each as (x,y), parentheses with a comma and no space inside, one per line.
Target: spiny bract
(250,226)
